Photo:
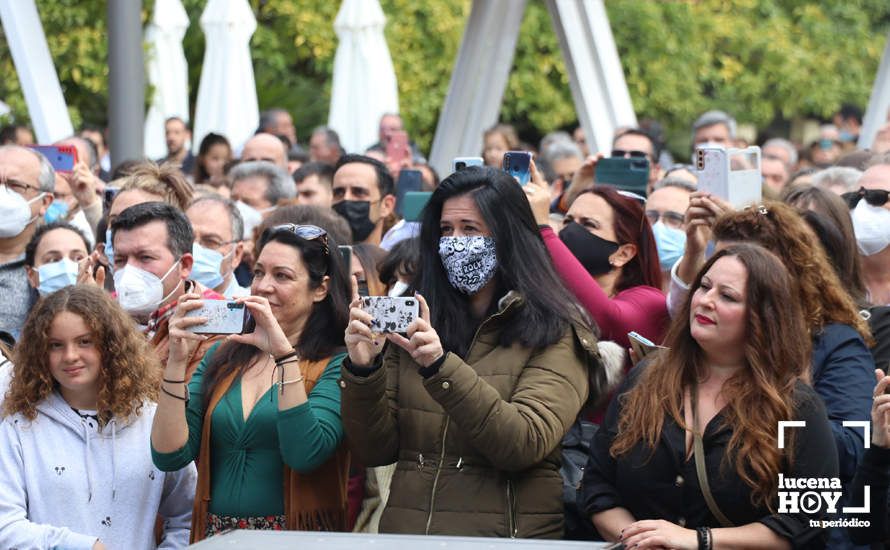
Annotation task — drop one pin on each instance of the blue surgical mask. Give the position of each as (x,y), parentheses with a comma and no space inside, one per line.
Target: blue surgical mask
(57,211)
(206,267)
(56,275)
(670,243)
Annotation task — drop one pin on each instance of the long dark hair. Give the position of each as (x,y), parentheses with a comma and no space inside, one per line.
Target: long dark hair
(323,333)
(758,396)
(523,265)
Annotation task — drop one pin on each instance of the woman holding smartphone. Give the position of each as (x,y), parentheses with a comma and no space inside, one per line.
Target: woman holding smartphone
(261,414)
(473,401)
(76,470)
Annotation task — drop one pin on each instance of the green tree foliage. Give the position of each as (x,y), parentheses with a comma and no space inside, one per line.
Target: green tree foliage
(758,59)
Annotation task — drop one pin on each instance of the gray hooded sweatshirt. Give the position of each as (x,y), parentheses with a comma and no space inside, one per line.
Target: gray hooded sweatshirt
(64,484)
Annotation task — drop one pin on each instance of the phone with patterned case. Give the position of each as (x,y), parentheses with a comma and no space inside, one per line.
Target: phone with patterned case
(391,313)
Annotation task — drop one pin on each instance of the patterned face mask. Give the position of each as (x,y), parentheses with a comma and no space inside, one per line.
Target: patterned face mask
(469,261)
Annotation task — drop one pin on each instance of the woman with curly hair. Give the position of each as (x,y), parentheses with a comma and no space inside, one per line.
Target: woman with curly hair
(841,365)
(699,422)
(74,455)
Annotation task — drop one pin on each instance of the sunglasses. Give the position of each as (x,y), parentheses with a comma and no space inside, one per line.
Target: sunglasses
(874,197)
(634,154)
(306,232)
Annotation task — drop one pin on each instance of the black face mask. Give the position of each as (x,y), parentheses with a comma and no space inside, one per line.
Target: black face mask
(356,213)
(593,252)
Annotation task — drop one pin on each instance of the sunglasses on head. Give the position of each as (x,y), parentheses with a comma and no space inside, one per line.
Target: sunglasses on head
(874,197)
(306,232)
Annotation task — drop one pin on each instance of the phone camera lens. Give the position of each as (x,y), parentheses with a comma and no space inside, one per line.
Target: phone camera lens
(409,302)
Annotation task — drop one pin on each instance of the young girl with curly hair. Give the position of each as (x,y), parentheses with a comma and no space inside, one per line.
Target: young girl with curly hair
(75,463)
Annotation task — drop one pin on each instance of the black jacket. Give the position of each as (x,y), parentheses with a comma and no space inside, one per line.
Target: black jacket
(666,487)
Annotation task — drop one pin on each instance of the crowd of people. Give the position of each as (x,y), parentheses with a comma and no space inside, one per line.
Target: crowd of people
(667,334)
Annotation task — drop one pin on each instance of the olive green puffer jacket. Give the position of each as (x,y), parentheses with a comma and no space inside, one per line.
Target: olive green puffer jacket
(478,443)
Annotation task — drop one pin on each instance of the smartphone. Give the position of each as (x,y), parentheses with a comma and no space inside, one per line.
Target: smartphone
(626,174)
(516,163)
(398,148)
(459,163)
(108,197)
(346,253)
(413,204)
(641,345)
(731,174)
(63,158)
(391,314)
(409,180)
(223,317)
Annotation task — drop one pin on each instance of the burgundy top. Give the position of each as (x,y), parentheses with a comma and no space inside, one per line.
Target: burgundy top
(641,308)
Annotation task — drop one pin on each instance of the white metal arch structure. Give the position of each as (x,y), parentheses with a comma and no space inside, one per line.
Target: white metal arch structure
(483,65)
(36,71)
(878,103)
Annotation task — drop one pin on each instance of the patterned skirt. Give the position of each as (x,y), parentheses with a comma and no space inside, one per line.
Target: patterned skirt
(217,524)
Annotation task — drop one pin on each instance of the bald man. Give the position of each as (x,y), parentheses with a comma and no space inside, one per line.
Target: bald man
(265,147)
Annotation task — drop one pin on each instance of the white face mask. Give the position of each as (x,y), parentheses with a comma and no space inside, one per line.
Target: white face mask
(140,292)
(872,227)
(251,216)
(398,288)
(15,212)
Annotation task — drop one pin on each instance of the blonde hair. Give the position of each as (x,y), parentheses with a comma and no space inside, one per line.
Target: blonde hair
(165,181)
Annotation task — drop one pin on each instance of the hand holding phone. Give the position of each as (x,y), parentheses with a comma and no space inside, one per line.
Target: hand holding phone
(516,163)
(223,317)
(641,345)
(63,158)
(391,314)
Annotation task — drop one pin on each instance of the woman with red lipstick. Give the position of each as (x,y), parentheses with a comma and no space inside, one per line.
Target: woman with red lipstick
(734,368)
(75,469)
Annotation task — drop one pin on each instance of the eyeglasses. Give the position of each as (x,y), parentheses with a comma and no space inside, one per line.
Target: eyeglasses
(634,154)
(874,197)
(306,232)
(19,187)
(671,218)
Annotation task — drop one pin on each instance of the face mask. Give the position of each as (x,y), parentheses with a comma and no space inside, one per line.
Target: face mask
(56,275)
(398,289)
(357,214)
(871,224)
(251,216)
(206,269)
(593,252)
(109,250)
(670,242)
(58,210)
(140,292)
(469,261)
(15,212)
(846,136)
